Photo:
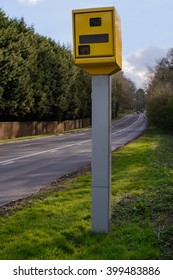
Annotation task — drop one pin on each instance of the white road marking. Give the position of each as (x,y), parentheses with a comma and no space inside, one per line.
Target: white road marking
(9,161)
(126,128)
(6,163)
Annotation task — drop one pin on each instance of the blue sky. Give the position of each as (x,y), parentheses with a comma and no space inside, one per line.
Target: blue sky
(147,26)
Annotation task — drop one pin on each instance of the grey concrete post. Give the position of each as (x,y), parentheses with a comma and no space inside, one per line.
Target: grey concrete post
(101,153)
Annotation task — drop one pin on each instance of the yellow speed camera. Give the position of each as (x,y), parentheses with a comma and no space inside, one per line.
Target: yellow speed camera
(97,40)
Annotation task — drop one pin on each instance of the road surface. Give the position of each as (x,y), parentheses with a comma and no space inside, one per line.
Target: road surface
(26,166)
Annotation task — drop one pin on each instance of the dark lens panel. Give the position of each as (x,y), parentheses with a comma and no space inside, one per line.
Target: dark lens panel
(95,22)
(94,38)
(85,49)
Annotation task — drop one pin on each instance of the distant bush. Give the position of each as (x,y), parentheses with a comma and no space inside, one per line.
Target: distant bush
(160,93)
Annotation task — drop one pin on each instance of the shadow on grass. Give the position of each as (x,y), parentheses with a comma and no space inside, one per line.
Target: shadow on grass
(152,209)
(145,198)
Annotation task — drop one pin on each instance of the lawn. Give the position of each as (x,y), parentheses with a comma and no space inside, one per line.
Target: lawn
(56,223)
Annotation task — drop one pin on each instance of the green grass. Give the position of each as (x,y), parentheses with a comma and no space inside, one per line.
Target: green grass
(56,224)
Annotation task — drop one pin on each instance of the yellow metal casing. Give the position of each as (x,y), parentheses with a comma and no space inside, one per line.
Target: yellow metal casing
(97,40)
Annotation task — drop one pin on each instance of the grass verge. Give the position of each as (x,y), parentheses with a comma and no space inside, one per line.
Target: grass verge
(56,223)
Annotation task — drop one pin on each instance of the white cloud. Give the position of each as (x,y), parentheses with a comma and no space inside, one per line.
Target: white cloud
(29,2)
(135,65)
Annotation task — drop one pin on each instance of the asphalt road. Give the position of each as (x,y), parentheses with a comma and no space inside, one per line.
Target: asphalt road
(26,166)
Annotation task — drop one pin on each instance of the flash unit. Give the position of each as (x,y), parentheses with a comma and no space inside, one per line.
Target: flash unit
(95,22)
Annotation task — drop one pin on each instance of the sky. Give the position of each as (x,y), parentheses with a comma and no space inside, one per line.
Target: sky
(146,25)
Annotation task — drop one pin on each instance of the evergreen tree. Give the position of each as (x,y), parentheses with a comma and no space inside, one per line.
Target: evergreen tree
(38,80)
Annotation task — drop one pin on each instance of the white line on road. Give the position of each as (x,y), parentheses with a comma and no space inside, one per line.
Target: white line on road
(6,163)
(9,161)
(126,128)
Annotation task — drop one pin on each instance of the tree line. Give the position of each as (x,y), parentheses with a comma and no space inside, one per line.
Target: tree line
(39,81)
(125,96)
(160,93)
